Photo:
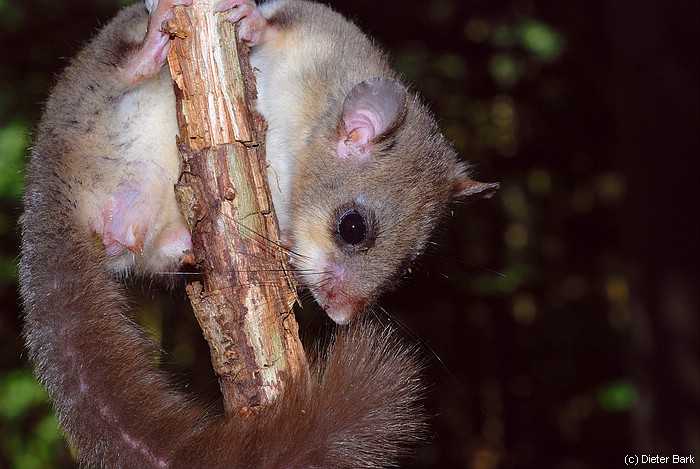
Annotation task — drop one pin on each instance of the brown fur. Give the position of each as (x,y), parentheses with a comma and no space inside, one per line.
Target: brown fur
(356,408)
(102,169)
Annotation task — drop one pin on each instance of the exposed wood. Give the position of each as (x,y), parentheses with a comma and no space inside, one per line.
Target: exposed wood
(244,301)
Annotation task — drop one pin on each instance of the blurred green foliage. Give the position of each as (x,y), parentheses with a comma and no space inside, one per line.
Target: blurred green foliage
(618,396)
(13,145)
(30,435)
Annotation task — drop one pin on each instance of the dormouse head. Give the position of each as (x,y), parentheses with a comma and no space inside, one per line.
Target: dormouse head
(378,185)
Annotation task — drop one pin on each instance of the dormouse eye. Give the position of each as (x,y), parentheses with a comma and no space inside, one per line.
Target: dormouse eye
(352,228)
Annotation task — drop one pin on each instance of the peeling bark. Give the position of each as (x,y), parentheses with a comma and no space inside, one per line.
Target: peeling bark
(244,302)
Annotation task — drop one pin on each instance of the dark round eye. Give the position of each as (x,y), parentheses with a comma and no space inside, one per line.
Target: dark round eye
(352,228)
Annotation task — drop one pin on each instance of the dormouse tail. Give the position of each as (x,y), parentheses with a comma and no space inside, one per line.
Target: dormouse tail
(358,407)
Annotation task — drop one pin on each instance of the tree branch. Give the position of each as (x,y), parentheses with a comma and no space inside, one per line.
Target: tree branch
(244,303)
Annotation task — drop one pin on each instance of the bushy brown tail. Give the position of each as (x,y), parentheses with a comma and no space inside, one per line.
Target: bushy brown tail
(357,407)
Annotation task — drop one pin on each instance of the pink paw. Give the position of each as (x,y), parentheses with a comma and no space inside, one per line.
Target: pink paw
(251,24)
(117,228)
(150,57)
(140,233)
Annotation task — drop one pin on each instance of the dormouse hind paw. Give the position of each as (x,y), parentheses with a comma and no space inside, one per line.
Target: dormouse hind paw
(150,57)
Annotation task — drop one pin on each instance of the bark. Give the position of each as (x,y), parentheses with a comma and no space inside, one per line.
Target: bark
(244,302)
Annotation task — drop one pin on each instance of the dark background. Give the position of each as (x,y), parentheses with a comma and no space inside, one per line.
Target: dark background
(560,318)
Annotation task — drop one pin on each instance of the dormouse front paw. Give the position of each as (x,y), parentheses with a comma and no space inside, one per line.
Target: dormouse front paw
(252,25)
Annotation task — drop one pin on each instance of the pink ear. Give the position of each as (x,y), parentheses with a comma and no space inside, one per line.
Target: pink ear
(467,189)
(372,110)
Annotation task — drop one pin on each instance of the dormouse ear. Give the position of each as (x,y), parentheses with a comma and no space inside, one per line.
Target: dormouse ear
(468,190)
(371,111)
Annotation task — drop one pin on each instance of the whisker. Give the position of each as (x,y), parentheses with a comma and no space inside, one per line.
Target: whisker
(268,241)
(178,273)
(469,264)
(423,344)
